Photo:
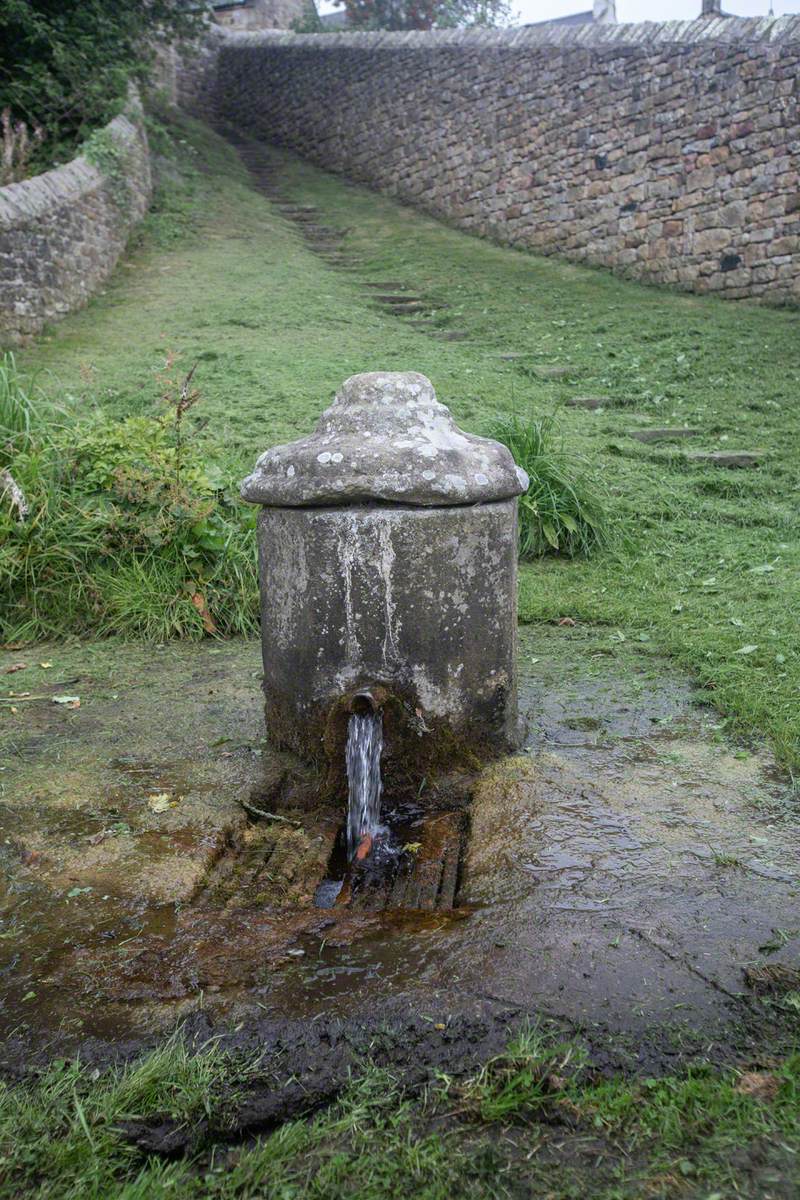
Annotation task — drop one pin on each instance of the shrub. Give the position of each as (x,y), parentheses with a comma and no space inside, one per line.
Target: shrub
(129,531)
(65,68)
(561,512)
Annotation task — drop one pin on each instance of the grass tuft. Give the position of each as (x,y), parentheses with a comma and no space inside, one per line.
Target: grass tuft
(17,409)
(561,512)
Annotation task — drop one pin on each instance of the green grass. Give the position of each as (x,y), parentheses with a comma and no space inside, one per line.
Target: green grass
(535,1122)
(705,562)
(561,512)
(17,409)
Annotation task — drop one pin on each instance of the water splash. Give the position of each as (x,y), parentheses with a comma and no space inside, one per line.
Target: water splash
(363,758)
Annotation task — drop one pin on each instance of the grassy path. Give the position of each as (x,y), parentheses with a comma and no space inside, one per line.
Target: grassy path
(705,562)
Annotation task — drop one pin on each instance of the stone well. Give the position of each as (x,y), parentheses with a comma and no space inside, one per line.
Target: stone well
(388,559)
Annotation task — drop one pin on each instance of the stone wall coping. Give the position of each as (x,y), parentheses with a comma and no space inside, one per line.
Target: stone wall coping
(643,35)
(23,202)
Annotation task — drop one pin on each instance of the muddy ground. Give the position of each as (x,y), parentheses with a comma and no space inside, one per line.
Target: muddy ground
(630,874)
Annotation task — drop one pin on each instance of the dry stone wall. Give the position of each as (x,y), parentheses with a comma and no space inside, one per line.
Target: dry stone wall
(62,232)
(666,151)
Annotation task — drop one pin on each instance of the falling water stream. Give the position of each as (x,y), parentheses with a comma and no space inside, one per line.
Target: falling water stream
(363,757)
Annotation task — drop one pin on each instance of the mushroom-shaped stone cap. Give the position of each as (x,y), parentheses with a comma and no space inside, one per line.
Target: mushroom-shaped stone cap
(386,438)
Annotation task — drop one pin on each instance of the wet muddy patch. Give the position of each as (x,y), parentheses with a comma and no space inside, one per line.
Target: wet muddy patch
(629,870)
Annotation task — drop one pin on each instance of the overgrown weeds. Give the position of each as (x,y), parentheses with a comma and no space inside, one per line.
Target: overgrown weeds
(17,409)
(561,512)
(127,529)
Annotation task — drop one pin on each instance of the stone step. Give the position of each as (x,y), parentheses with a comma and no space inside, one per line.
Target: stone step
(733,459)
(544,372)
(662,435)
(591,403)
(397,299)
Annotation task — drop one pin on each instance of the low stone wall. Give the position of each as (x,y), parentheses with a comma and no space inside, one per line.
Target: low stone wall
(62,232)
(668,152)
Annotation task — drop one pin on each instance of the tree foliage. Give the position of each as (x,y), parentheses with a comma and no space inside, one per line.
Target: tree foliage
(65,64)
(424,14)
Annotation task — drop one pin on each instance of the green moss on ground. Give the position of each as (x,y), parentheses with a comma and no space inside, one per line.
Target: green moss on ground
(705,562)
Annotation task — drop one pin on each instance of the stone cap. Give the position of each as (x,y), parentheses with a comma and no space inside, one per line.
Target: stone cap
(385,439)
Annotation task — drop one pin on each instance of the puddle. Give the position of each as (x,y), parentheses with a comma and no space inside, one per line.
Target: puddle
(628,868)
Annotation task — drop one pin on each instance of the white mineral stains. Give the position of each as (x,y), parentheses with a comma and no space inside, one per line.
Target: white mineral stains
(428,451)
(325,457)
(421,600)
(386,561)
(290,472)
(348,549)
(481,478)
(428,475)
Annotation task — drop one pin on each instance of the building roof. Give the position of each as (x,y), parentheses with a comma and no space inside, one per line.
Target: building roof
(334,20)
(579,18)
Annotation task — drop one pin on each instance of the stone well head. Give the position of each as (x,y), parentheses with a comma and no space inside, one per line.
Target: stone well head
(388,552)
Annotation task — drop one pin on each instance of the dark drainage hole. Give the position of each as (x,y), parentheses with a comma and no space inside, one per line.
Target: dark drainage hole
(415,865)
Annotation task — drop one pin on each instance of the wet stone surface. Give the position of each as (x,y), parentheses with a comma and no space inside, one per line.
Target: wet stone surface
(629,872)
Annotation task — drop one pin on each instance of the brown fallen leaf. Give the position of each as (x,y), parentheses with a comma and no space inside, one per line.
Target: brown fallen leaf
(199,601)
(15,667)
(568,621)
(364,847)
(759,1085)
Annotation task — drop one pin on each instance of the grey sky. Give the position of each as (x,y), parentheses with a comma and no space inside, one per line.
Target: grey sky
(653,10)
(638,10)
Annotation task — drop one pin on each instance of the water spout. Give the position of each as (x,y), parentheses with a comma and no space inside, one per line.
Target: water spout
(363,758)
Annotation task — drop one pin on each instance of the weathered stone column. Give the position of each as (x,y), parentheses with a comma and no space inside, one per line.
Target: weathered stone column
(388,552)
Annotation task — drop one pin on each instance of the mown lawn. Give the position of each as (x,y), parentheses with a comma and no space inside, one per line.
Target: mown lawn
(704,562)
